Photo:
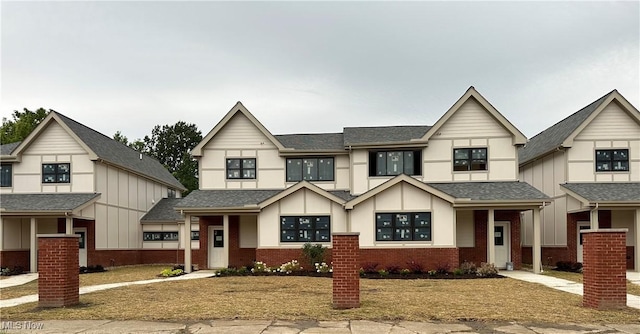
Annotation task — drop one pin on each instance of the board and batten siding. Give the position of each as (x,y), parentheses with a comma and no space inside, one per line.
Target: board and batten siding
(240,138)
(546,175)
(125,198)
(303,202)
(16,232)
(611,129)
(404,197)
(54,145)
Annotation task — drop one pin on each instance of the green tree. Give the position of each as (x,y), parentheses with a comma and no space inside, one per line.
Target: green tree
(170,144)
(21,125)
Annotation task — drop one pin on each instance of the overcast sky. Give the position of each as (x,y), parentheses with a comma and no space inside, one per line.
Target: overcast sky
(306,67)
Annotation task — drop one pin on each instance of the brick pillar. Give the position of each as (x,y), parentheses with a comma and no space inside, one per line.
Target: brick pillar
(346,276)
(604,268)
(58,270)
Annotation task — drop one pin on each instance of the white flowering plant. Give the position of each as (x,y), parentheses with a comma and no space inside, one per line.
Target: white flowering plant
(323,267)
(260,267)
(290,267)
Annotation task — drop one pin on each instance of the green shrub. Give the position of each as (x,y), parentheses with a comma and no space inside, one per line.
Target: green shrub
(313,253)
(171,272)
(383,272)
(405,272)
(458,272)
(468,268)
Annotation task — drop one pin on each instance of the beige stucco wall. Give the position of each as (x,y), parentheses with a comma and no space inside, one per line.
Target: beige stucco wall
(404,198)
(303,202)
(465,232)
(16,232)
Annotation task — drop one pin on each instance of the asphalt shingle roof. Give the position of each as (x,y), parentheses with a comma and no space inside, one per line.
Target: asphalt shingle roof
(479,191)
(227,198)
(6,149)
(552,137)
(163,211)
(44,202)
(316,141)
(383,134)
(607,192)
(120,154)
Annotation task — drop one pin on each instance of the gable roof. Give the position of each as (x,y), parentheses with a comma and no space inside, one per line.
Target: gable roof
(238,108)
(519,138)
(604,192)
(58,203)
(313,141)
(163,211)
(105,149)
(301,185)
(562,133)
(380,135)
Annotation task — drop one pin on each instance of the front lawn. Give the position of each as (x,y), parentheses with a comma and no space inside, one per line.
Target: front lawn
(113,275)
(309,298)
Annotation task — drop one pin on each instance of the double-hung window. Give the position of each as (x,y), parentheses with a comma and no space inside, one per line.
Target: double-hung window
(390,163)
(612,160)
(305,229)
(6,171)
(468,159)
(160,236)
(56,173)
(410,226)
(310,169)
(243,168)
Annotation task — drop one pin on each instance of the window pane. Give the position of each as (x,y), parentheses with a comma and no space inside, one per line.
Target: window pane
(394,163)
(305,235)
(402,220)
(5,175)
(402,234)
(621,165)
(603,155)
(322,235)
(294,170)
(304,223)
(461,154)
(381,163)
(422,220)
(249,174)
(384,234)
(310,169)
(621,155)
(48,169)
(422,234)
(288,223)
(233,174)
(233,163)
(460,165)
(63,178)
(288,235)
(408,163)
(63,168)
(249,163)
(49,179)
(479,153)
(479,165)
(602,166)
(325,169)
(322,223)
(383,220)
(195,235)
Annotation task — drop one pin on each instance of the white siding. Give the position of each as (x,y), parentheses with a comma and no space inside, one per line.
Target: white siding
(471,120)
(611,124)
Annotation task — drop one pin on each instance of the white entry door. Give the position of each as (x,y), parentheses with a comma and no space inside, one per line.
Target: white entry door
(216,247)
(579,250)
(502,238)
(82,252)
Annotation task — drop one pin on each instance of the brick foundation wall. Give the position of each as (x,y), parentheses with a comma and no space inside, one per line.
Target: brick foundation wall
(13,259)
(604,269)
(58,270)
(346,276)
(478,253)
(276,257)
(428,258)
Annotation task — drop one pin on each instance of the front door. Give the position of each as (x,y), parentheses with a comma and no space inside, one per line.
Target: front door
(82,252)
(502,238)
(216,247)
(579,250)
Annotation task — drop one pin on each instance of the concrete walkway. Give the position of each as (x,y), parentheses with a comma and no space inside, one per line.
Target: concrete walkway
(17,280)
(94,288)
(306,327)
(561,284)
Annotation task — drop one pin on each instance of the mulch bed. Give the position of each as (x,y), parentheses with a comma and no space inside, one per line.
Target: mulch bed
(373,275)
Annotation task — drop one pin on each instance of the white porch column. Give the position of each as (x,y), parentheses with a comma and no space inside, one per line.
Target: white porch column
(33,250)
(187,243)
(491,241)
(69,225)
(225,237)
(536,251)
(594,219)
(636,247)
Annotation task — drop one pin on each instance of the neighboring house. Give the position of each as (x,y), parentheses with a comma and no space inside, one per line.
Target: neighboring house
(435,195)
(589,163)
(67,178)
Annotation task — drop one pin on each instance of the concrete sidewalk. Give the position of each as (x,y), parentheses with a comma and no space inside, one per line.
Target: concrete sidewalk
(17,280)
(560,284)
(307,327)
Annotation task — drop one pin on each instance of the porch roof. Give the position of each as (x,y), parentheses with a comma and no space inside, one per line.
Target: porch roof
(163,211)
(492,192)
(605,192)
(38,204)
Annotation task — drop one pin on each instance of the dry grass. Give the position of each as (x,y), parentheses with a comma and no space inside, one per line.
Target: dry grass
(113,275)
(304,298)
(633,289)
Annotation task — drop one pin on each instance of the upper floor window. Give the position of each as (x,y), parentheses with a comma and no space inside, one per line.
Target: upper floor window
(391,163)
(414,226)
(5,175)
(466,159)
(241,168)
(56,173)
(305,228)
(171,193)
(310,169)
(612,160)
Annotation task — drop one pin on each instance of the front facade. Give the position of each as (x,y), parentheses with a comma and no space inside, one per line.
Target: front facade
(589,163)
(67,178)
(434,196)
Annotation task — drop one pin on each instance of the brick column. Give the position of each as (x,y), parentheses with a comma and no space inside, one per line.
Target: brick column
(58,270)
(346,276)
(604,268)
